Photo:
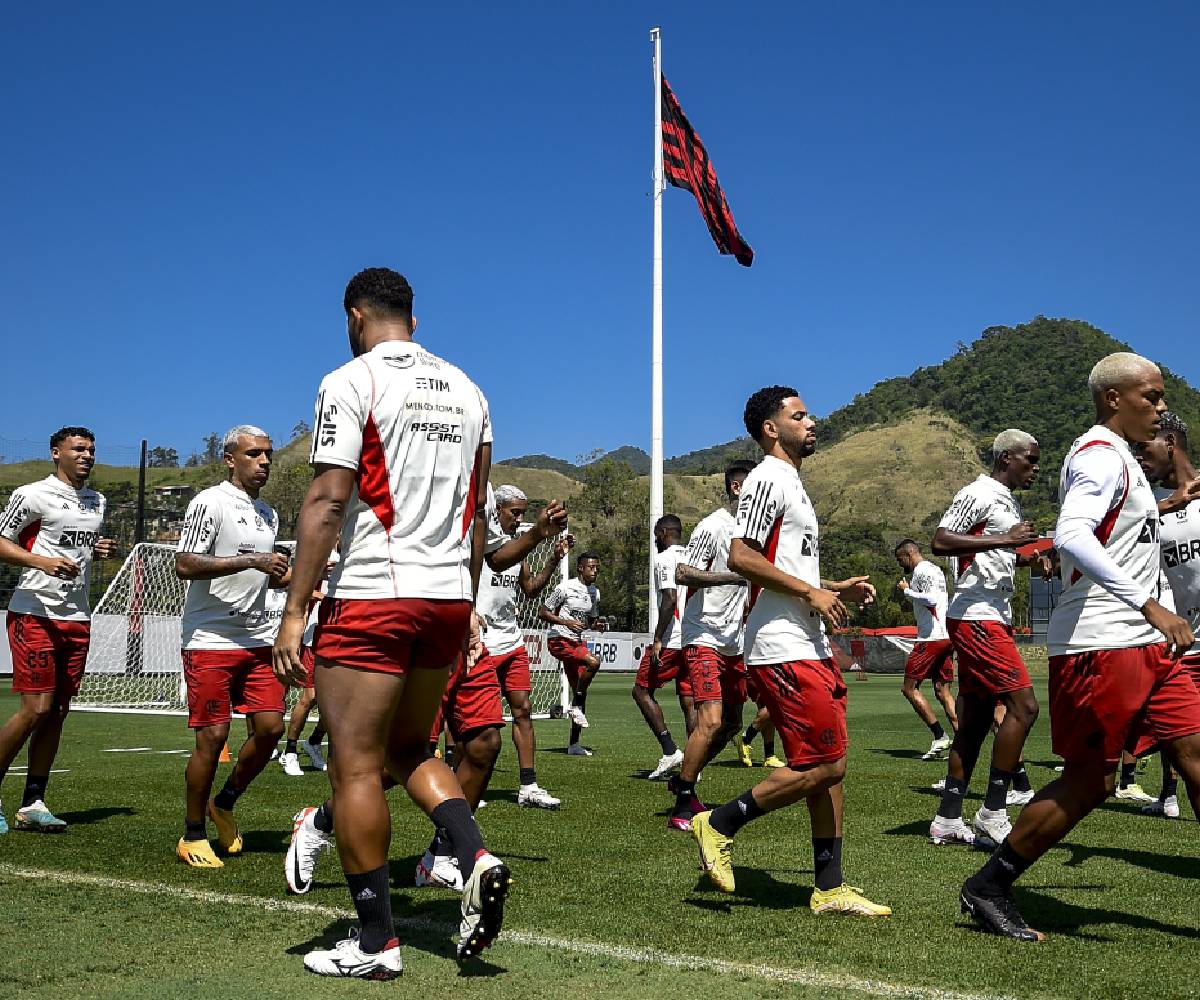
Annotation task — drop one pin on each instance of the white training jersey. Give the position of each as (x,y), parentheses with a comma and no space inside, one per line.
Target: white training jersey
(500,592)
(410,425)
(576,600)
(52,518)
(984,589)
(1179,541)
(927,591)
(234,611)
(310,627)
(1102,482)
(713,616)
(774,511)
(664,580)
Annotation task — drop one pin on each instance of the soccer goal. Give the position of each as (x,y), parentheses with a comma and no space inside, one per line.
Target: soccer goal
(134,663)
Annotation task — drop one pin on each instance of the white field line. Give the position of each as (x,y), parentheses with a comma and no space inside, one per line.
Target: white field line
(800,976)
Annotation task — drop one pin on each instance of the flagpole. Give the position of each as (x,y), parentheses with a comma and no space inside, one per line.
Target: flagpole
(656,327)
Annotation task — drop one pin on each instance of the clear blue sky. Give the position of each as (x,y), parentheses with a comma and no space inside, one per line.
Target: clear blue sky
(186,193)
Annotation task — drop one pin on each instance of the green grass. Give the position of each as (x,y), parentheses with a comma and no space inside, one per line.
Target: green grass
(1118,899)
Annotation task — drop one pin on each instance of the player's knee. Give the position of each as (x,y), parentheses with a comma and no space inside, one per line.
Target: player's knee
(1025,708)
(211,739)
(484,747)
(270,730)
(908,688)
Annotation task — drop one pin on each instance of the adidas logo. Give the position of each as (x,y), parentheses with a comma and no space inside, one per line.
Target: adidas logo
(742,806)
(365,895)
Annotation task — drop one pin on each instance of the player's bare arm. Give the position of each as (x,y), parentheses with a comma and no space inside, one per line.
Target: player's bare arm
(550,522)
(666,612)
(546,615)
(746,558)
(952,543)
(532,584)
(483,468)
(856,589)
(1183,495)
(196,566)
(690,576)
(56,566)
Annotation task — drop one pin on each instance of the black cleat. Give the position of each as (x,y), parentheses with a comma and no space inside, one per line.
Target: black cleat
(483,899)
(996,911)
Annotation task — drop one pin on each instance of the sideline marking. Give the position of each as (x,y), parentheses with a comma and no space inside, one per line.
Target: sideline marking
(799,976)
(127,749)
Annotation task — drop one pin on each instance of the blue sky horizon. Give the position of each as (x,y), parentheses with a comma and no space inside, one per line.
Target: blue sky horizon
(188,192)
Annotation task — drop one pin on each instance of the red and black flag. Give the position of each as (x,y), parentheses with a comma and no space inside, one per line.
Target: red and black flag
(687,165)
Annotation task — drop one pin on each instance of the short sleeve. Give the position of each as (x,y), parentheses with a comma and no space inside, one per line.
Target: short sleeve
(557,596)
(1096,483)
(965,512)
(664,573)
(201,524)
(759,507)
(701,548)
(495,536)
(21,512)
(338,422)
(485,436)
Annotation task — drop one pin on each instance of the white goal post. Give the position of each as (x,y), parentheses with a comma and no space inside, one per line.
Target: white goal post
(134,663)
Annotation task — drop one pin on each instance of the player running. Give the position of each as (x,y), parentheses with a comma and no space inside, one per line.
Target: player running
(1116,679)
(571,609)
(932,655)
(775,547)
(662,660)
(51,530)
(227,554)
(712,644)
(982,529)
(401,452)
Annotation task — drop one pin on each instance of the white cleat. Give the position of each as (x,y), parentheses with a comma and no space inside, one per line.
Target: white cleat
(291,765)
(575,714)
(939,786)
(1135,793)
(347,959)
(1167,808)
(314,755)
(304,851)
(937,749)
(483,905)
(438,872)
(950,831)
(535,797)
(992,823)
(667,763)
(578,750)
(1015,798)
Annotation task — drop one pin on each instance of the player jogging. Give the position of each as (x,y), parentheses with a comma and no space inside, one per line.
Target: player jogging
(982,529)
(1116,679)
(51,530)
(932,654)
(775,547)
(571,609)
(401,452)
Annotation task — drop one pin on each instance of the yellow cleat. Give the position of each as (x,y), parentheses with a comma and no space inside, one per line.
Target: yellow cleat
(846,899)
(714,851)
(198,854)
(773,762)
(743,751)
(228,834)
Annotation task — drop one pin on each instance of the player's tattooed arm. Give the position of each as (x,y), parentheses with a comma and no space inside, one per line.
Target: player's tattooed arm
(533,584)
(689,576)
(199,566)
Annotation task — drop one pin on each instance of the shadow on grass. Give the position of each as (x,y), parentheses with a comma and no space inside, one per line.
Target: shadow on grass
(755,887)
(1164,864)
(1056,917)
(265,842)
(86,816)
(904,754)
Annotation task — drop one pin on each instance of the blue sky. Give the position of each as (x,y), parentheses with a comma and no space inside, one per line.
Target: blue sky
(186,193)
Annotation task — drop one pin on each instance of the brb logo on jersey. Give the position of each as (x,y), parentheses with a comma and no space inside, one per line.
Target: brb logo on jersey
(434,431)
(1181,552)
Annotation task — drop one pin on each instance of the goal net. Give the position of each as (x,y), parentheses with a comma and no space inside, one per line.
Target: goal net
(134,663)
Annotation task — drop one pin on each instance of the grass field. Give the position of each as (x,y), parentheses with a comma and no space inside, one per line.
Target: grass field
(608,902)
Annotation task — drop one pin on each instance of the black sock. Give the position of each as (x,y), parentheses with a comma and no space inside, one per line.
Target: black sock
(952,799)
(769,747)
(1020,779)
(935,727)
(1128,774)
(291,747)
(194,831)
(827,861)
(576,732)
(227,797)
(317,736)
(749,734)
(665,741)
(580,701)
(1170,786)
(1003,868)
(448,757)
(528,776)
(323,817)
(735,814)
(372,899)
(997,788)
(35,789)
(684,791)
(454,816)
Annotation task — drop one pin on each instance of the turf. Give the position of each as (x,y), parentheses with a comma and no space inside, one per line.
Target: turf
(1117,898)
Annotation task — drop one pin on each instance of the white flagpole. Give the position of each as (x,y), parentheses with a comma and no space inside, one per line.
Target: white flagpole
(656,328)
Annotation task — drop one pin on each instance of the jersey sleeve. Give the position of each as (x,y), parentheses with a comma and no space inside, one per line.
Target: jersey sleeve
(664,574)
(21,511)
(495,537)
(555,601)
(965,512)
(486,435)
(339,420)
(201,523)
(701,548)
(759,507)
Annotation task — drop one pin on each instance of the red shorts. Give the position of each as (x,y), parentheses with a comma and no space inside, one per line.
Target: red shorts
(931,660)
(1110,700)
(47,654)
(391,635)
(988,662)
(572,654)
(512,670)
(471,701)
(715,676)
(223,681)
(672,666)
(752,691)
(806,700)
(308,662)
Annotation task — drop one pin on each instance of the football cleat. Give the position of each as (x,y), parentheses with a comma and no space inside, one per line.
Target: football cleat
(937,748)
(992,823)
(715,852)
(315,755)
(1134,792)
(438,871)
(483,905)
(667,763)
(950,831)
(742,750)
(535,797)
(772,762)
(575,714)
(347,959)
(197,853)
(996,911)
(578,750)
(846,899)
(291,765)
(1168,807)
(680,821)
(228,834)
(1015,798)
(304,851)
(36,818)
